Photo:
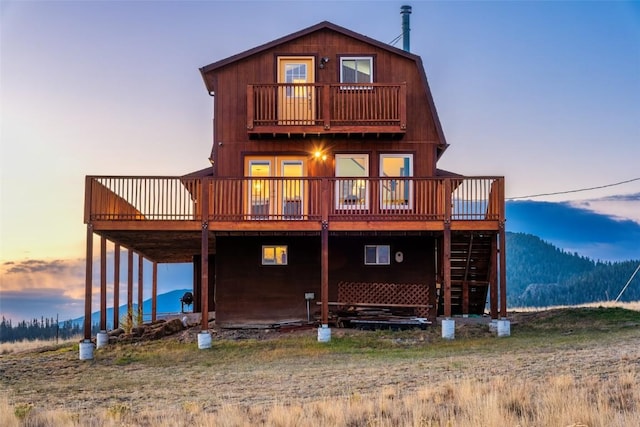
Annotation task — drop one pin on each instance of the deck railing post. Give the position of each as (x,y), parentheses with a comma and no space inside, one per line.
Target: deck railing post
(250,106)
(327,94)
(87,199)
(402,106)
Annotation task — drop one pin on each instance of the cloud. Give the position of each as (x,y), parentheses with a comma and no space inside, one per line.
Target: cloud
(619,207)
(36,303)
(35,287)
(65,275)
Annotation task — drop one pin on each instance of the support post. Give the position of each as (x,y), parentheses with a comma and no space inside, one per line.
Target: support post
(140,289)
(503,254)
(446,249)
(103,283)
(503,271)
(88,283)
(129,286)
(493,278)
(154,292)
(116,286)
(204,259)
(324,254)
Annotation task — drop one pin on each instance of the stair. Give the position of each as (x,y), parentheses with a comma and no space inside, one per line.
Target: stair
(470,269)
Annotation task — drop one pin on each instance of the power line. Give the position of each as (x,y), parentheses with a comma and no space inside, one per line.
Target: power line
(573,191)
(396,40)
(629,281)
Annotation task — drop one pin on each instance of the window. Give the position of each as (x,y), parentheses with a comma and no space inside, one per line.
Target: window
(377,255)
(296,73)
(396,187)
(356,69)
(274,255)
(352,191)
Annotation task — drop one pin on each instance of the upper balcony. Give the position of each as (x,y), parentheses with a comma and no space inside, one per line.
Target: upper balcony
(325,109)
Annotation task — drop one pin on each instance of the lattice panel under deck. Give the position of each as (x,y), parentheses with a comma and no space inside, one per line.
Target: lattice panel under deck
(411,294)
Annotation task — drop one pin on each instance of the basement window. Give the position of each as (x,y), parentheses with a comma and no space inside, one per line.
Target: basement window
(274,255)
(377,255)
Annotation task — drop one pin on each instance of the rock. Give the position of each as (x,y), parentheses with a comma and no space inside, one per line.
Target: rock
(173,326)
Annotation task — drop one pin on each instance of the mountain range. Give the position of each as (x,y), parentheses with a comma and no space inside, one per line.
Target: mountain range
(576,230)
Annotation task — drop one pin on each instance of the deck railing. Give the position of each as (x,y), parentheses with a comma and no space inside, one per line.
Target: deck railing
(326,107)
(111,198)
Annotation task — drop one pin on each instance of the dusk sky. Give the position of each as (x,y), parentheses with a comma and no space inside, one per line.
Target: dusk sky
(545,93)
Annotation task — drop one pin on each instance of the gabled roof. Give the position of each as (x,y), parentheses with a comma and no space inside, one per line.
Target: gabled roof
(320,26)
(328,25)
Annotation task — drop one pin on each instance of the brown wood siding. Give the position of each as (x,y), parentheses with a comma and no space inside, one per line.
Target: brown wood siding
(249,292)
(231,104)
(346,261)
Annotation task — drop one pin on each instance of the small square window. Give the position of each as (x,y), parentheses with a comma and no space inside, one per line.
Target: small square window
(356,69)
(377,255)
(274,255)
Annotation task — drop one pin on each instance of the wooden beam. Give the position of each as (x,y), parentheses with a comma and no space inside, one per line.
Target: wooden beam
(103,283)
(116,286)
(154,292)
(88,283)
(204,259)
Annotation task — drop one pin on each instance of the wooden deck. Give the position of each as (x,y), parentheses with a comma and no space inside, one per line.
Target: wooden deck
(162,217)
(172,203)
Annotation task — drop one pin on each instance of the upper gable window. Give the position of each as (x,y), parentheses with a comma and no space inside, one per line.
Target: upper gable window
(357,69)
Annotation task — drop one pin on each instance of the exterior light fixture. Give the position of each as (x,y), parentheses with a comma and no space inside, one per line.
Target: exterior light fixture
(323,61)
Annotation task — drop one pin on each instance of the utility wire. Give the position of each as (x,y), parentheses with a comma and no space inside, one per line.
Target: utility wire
(573,191)
(629,281)
(396,40)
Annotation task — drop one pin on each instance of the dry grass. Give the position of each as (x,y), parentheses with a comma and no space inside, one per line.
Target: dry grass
(29,345)
(633,305)
(582,374)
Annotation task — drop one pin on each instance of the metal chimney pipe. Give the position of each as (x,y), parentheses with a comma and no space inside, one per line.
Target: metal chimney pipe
(405,11)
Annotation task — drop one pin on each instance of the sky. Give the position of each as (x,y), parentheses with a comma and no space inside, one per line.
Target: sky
(545,93)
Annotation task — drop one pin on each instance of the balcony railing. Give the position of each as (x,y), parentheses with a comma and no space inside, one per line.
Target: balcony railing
(110,198)
(326,108)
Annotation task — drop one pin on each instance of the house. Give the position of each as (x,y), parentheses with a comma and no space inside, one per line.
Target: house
(323,193)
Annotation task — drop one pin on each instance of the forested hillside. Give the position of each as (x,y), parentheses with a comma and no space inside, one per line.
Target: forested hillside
(540,274)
